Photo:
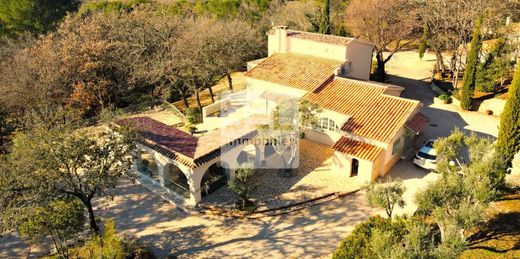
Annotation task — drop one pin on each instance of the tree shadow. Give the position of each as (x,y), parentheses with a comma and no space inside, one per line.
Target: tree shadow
(312,232)
(501,226)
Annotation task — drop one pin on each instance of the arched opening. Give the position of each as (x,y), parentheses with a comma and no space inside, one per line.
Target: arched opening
(215,178)
(175,180)
(147,165)
(355,167)
(247,155)
(269,149)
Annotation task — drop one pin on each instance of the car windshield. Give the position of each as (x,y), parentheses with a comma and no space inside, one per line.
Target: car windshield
(429,144)
(427,156)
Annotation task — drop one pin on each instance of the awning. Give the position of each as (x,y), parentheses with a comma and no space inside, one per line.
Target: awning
(417,123)
(357,149)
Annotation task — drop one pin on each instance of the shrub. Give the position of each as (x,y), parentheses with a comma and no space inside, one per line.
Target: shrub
(109,6)
(445,97)
(111,245)
(193,115)
(190,127)
(357,244)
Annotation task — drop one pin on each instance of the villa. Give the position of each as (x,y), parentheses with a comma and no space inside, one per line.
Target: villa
(366,123)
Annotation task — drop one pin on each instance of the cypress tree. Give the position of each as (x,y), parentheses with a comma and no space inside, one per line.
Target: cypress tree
(424,42)
(508,143)
(496,67)
(468,84)
(325,18)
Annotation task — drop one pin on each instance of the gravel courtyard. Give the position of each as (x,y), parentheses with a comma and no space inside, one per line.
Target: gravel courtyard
(315,177)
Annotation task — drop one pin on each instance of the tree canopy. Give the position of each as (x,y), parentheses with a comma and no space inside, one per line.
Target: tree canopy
(386,195)
(382,22)
(55,161)
(33,16)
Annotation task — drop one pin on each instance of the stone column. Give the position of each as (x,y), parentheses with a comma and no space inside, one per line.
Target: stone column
(260,155)
(194,181)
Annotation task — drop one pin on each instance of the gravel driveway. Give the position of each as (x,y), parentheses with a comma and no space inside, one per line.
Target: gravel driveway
(407,70)
(311,233)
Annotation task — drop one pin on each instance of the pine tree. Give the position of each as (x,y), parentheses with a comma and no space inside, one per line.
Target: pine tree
(34,16)
(325,18)
(470,72)
(508,143)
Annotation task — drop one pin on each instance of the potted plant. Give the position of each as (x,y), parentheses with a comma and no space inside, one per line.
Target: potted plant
(446,98)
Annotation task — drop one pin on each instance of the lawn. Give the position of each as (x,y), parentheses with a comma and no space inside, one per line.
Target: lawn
(500,236)
(239,83)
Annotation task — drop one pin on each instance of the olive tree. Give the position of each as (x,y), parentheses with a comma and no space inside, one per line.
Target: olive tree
(49,163)
(242,186)
(386,195)
(457,200)
(62,220)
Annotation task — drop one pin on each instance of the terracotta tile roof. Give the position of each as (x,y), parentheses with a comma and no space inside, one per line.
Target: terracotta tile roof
(318,37)
(357,149)
(373,114)
(418,123)
(187,149)
(164,135)
(300,71)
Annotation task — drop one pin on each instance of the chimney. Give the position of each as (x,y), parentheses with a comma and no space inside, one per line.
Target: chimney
(281,36)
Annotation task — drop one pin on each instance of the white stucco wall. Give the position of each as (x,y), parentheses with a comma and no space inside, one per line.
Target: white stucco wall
(359,55)
(327,137)
(367,171)
(319,49)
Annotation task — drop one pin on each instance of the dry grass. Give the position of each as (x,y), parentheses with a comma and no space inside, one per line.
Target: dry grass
(503,96)
(500,236)
(239,83)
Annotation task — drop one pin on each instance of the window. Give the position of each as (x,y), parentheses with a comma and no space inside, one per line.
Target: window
(326,124)
(397,146)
